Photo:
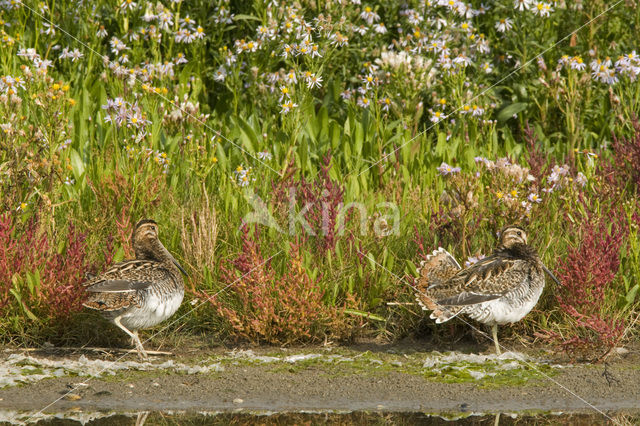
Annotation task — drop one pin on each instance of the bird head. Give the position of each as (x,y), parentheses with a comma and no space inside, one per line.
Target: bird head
(146,244)
(512,235)
(144,236)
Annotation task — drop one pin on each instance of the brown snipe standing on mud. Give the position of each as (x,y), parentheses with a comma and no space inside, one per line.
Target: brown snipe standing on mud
(139,293)
(499,289)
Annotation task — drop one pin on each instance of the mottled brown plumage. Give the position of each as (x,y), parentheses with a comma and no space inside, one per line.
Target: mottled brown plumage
(501,288)
(439,268)
(142,292)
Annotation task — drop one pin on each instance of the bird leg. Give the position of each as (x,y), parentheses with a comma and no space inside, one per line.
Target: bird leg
(494,332)
(142,418)
(138,344)
(134,337)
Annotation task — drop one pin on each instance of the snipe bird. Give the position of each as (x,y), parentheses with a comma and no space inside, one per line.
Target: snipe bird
(142,292)
(499,289)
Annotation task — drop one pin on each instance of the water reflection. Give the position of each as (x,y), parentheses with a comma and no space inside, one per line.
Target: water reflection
(327,418)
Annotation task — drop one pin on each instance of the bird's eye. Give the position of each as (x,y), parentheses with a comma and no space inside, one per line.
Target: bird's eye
(519,234)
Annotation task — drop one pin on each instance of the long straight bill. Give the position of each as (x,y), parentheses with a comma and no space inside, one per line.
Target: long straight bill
(551,274)
(175,262)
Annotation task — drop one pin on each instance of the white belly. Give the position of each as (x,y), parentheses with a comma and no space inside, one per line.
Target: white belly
(152,312)
(505,309)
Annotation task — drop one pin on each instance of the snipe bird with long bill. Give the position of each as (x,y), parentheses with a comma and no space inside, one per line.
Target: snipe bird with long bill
(499,289)
(142,292)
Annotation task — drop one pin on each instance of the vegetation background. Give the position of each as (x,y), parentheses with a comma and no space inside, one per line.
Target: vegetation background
(465,116)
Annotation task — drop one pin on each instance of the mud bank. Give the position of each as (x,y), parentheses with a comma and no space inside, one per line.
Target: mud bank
(315,379)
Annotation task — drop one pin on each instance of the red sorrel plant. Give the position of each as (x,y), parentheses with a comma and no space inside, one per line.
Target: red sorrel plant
(538,160)
(323,196)
(275,307)
(419,241)
(586,276)
(63,275)
(622,168)
(125,232)
(627,157)
(35,279)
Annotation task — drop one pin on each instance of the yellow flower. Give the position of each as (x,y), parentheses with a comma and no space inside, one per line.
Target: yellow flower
(514,193)
(71,101)
(214,160)
(55,86)
(499,195)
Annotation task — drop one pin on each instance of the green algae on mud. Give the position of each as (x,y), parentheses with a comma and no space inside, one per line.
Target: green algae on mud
(19,368)
(482,370)
(489,375)
(319,379)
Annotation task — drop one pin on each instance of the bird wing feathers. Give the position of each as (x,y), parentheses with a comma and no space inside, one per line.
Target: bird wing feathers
(438,268)
(488,279)
(446,290)
(119,287)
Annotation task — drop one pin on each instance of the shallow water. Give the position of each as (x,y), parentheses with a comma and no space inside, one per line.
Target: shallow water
(329,418)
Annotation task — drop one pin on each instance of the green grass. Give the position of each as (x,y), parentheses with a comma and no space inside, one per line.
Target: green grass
(190,156)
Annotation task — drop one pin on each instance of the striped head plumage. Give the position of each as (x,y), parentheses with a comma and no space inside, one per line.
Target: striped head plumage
(512,235)
(147,245)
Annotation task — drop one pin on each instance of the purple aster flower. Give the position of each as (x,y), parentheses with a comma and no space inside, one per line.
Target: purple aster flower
(473,259)
(446,169)
(534,198)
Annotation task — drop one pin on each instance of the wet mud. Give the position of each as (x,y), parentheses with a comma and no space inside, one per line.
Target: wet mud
(320,380)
